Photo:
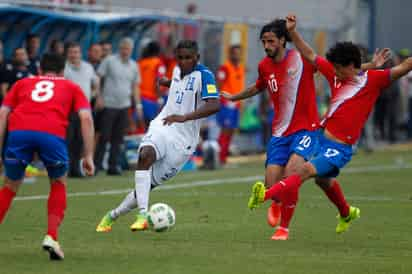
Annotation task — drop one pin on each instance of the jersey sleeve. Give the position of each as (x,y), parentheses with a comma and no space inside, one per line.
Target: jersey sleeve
(326,68)
(209,89)
(382,77)
(80,101)
(308,65)
(11,99)
(260,83)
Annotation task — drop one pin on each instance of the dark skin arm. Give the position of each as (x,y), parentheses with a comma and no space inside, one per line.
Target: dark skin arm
(210,107)
(248,92)
(164,82)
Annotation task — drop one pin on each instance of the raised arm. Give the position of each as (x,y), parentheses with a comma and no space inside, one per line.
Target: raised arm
(379,59)
(307,52)
(402,69)
(248,92)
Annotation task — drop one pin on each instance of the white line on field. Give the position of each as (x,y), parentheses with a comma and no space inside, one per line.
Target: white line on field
(235,180)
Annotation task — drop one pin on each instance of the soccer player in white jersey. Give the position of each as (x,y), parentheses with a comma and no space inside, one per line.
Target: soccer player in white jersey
(172,136)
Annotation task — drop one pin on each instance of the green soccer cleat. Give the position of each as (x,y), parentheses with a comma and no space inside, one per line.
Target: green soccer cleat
(105,224)
(141,223)
(258,195)
(53,247)
(344,222)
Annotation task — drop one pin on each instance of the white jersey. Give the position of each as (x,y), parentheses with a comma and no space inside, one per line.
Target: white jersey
(185,96)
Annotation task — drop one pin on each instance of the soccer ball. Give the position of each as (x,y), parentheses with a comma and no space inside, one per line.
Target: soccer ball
(161,217)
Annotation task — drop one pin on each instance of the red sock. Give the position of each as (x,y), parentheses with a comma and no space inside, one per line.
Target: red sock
(224,143)
(275,192)
(289,199)
(335,195)
(56,206)
(6,197)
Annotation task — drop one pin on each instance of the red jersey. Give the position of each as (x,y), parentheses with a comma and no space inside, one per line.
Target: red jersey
(292,89)
(352,100)
(231,79)
(43,103)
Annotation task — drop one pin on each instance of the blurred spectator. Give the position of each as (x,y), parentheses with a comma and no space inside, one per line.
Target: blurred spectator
(83,74)
(151,69)
(387,109)
(120,79)
(32,47)
(168,56)
(106,49)
(2,72)
(367,140)
(266,114)
(15,70)
(405,84)
(191,31)
(230,79)
(94,55)
(57,47)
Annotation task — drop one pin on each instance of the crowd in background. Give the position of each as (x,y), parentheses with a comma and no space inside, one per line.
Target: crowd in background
(125,95)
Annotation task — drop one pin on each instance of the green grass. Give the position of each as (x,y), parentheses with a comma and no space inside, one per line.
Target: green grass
(216,233)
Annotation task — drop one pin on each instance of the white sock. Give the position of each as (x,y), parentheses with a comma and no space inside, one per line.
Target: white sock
(128,204)
(142,180)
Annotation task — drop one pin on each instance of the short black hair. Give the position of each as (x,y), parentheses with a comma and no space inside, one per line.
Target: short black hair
(278,27)
(188,44)
(52,62)
(151,49)
(31,36)
(344,54)
(235,46)
(72,44)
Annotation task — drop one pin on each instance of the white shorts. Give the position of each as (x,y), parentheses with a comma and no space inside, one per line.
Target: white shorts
(170,155)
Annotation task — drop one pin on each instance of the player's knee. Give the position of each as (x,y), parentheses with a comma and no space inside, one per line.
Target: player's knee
(290,170)
(323,183)
(147,156)
(306,171)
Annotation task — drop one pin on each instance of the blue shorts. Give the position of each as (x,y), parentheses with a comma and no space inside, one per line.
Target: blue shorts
(279,149)
(228,117)
(21,146)
(330,157)
(150,109)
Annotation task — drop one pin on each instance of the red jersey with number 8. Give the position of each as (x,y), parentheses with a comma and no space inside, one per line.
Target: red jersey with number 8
(292,90)
(44,103)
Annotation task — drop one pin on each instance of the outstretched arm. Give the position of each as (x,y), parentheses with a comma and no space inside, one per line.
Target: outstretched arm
(379,59)
(307,52)
(402,69)
(211,106)
(248,92)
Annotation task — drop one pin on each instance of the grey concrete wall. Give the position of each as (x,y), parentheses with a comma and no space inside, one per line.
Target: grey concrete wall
(325,13)
(393,24)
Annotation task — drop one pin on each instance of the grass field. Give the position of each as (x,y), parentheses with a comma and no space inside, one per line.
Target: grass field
(216,233)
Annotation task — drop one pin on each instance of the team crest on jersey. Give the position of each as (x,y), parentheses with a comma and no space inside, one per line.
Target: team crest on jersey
(211,89)
(190,83)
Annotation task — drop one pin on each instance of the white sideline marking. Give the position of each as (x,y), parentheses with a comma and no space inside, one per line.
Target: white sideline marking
(237,180)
